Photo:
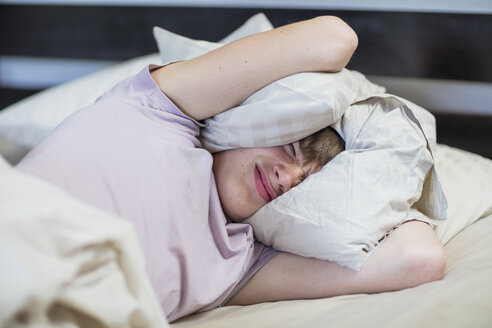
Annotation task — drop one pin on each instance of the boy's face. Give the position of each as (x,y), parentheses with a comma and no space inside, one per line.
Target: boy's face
(248,178)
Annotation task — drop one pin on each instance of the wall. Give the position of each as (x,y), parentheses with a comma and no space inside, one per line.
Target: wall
(436,53)
(443,6)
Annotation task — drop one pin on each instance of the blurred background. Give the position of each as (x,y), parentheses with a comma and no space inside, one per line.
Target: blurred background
(435,53)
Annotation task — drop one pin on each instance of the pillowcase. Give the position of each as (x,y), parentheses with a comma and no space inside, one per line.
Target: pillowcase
(343,212)
(295,106)
(30,120)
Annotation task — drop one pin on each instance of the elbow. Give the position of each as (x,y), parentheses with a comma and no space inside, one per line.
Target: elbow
(436,262)
(343,42)
(348,38)
(425,265)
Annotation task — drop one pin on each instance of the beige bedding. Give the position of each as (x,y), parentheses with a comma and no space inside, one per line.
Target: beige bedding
(60,268)
(66,264)
(462,299)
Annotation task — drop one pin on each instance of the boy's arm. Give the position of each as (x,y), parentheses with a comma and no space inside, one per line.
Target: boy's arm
(411,255)
(223,78)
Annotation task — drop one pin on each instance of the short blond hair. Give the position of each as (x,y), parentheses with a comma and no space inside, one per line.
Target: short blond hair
(321,147)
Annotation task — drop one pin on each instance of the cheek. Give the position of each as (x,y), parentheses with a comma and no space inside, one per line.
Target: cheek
(236,197)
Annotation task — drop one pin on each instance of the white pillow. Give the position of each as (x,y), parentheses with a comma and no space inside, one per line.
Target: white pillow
(29,121)
(297,105)
(341,213)
(467,182)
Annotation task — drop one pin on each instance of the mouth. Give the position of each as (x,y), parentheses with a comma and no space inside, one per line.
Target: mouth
(263,185)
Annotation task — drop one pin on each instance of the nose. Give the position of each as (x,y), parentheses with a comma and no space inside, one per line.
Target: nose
(288,176)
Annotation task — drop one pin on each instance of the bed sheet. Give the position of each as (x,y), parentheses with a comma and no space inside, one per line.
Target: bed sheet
(462,299)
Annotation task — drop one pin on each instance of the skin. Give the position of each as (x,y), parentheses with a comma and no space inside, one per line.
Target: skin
(222,79)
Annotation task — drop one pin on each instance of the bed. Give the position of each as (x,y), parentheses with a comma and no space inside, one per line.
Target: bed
(462,298)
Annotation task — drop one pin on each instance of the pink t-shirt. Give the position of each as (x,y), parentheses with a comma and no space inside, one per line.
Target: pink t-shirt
(135,154)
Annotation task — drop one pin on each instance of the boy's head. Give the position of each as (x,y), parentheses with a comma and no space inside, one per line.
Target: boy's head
(248,178)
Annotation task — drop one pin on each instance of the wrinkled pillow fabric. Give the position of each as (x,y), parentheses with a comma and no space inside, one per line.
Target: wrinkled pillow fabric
(343,212)
(295,106)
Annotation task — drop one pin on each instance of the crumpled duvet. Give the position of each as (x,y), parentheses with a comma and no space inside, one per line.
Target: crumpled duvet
(66,264)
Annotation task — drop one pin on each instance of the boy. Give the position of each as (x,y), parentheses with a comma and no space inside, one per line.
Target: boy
(135,153)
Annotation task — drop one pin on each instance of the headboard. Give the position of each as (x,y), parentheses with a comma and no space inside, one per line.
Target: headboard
(423,56)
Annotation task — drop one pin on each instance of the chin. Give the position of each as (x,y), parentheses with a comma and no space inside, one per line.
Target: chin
(235,218)
(242,214)
(237,215)
(234,215)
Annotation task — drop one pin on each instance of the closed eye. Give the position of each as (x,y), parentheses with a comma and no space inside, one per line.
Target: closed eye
(293,150)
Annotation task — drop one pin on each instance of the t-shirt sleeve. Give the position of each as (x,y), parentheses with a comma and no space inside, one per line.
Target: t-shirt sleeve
(141,90)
